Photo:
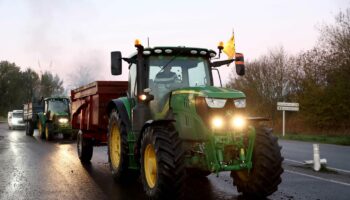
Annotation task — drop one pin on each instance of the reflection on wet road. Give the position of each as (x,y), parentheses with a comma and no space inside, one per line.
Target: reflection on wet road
(35,169)
(31,168)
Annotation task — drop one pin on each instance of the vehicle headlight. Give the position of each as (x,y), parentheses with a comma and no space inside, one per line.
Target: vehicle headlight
(240,103)
(63,120)
(217,122)
(238,122)
(215,103)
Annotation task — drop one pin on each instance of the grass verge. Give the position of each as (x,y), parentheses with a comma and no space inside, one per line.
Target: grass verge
(3,119)
(340,140)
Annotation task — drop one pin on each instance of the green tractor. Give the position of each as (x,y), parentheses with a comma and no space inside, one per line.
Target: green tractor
(54,118)
(174,123)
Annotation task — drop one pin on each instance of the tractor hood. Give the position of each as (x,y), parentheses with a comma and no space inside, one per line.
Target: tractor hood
(211,92)
(59,115)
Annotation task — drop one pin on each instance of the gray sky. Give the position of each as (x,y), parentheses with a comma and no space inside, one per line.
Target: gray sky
(63,35)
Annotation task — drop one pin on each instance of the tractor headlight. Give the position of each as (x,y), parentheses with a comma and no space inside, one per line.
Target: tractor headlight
(217,122)
(63,120)
(238,122)
(240,103)
(215,103)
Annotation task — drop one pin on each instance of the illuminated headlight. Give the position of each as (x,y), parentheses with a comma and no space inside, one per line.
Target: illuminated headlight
(240,103)
(238,122)
(217,122)
(215,103)
(63,120)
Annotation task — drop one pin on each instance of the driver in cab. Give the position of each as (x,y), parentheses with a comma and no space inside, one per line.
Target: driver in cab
(166,76)
(164,81)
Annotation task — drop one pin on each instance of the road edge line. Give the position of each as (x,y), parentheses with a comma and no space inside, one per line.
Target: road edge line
(332,168)
(319,178)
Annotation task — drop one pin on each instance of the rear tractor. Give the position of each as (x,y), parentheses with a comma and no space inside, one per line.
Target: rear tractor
(174,123)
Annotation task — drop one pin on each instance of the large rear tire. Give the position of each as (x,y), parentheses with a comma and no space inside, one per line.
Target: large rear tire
(265,176)
(162,163)
(118,150)
(84,148)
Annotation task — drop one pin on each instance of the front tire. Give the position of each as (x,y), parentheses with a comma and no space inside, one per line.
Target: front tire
(41,129)
(118,150)
(162,163)
(265,176)
(198,173)
(29,128)
(48,131)
(84,148)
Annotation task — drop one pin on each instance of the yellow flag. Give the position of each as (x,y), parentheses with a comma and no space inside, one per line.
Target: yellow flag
(229,47)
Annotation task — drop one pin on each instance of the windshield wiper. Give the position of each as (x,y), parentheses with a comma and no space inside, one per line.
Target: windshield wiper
(171,60)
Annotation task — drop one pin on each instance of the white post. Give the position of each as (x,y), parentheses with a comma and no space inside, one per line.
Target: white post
(284,123)
(317,163)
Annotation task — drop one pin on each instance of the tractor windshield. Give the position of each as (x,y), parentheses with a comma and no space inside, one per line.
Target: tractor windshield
(167,73)
(58,105)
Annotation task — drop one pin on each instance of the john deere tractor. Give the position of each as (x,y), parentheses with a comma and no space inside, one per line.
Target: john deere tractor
(174,123)
(50,115)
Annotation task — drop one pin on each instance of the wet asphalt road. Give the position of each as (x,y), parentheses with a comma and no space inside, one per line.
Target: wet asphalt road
(34,169)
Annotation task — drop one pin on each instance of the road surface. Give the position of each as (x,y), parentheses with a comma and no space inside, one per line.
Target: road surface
(31,168)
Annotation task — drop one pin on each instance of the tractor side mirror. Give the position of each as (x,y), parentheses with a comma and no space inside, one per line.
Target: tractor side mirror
(116,63)
(239,61)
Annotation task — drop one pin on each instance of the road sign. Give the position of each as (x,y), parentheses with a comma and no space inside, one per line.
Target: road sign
(285,104)
(287,108)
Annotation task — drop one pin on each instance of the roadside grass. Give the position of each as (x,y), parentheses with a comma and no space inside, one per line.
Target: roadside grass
(327,139)
(3,119)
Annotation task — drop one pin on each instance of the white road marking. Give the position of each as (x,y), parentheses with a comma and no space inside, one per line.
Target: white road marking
(319,178)
(332,168)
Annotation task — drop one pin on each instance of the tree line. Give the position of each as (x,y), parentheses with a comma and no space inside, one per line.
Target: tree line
(18,87)
(318,79)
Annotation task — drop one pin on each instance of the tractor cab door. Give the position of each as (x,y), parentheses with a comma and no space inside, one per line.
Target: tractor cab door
(46,109)
(132,89)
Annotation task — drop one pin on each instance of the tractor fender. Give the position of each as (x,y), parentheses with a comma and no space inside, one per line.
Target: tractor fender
(119,105)
(148,124)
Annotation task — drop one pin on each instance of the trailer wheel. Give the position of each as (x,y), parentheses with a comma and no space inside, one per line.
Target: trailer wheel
(118,150)
(162,163)
(48,131)
(265,176)
(84,148)
(41,130)
(29,128)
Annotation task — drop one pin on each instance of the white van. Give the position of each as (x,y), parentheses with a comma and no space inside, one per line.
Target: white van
(15,119)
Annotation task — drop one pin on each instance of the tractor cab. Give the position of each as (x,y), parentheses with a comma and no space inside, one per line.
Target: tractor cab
(57,106)
(166,70)
(57,116)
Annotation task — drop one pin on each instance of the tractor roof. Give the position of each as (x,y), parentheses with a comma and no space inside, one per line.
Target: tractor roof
(48,98)
(181,50)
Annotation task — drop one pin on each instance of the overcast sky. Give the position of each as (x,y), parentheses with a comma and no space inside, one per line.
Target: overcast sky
(63,35)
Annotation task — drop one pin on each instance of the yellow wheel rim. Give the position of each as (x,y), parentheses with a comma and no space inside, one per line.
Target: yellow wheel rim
(40,128)
(150,166)
(47,131)
(115,146)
